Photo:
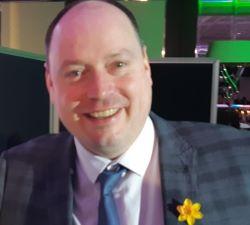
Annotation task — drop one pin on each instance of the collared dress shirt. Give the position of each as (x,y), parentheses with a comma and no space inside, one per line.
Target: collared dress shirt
(138,194)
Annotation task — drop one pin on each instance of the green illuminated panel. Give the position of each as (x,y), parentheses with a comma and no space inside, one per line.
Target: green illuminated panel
(150,16)
(242,7)
(230,51)
(224,7)
(20,53)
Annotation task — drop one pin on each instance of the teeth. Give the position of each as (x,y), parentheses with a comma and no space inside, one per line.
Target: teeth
(104,114)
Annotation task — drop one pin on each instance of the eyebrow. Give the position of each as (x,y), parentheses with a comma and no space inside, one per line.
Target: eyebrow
(119,53)
(71,62)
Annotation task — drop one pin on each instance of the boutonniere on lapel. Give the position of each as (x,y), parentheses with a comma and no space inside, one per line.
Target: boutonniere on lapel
(189,212)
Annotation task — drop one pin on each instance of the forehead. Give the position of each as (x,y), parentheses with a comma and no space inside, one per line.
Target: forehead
(91,14)
(90,31)
(93,28)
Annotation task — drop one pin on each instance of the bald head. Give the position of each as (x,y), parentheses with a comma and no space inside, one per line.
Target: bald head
(87,4)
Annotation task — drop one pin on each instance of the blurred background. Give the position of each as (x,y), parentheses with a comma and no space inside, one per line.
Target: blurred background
(195,29)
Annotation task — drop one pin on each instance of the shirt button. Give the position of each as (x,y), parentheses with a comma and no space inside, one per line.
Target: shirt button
(123,174)
(109,167)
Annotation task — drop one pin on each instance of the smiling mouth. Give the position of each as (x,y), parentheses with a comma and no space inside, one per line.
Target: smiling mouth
(103,114)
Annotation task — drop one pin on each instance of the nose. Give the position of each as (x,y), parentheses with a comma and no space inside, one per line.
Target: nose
(101,85)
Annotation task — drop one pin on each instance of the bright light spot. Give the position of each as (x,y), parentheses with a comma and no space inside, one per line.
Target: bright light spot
(163,52)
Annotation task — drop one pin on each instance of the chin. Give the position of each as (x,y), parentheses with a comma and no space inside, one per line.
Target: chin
(108,147)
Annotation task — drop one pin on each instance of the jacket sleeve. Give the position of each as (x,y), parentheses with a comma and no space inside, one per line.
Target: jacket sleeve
(2,178)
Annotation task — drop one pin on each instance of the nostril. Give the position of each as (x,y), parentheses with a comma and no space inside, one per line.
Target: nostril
(97,93)
(100,88)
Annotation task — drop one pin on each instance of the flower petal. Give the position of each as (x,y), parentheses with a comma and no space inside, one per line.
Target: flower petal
(188,202)
(182,218)
(190,220)
(197,214)
(179,209)
(196,206)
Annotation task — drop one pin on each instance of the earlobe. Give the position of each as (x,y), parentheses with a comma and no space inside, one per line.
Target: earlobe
(146,63)
(145,57)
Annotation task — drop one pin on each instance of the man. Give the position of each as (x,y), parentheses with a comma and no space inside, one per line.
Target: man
(98,77)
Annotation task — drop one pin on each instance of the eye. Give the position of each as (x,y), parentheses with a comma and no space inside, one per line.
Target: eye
(120,64)
(74,75)
(118,68)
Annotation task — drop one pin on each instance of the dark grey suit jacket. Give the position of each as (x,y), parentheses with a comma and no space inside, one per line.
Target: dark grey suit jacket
(206,163)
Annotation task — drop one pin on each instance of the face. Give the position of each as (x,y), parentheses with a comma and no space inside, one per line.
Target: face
(98,77)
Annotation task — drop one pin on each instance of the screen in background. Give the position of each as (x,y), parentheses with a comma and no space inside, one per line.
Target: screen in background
(185,89)
(24,111)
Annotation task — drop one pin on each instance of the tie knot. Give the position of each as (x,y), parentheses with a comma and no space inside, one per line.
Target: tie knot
(109,178)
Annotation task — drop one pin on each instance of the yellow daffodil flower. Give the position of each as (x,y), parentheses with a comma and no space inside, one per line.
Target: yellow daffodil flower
(189,212)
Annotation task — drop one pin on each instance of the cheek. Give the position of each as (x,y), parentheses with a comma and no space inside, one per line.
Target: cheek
(66,96)
(143,93)
(137,88)
(128,87)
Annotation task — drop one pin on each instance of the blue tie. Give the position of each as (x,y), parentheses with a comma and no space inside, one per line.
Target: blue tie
(107,209)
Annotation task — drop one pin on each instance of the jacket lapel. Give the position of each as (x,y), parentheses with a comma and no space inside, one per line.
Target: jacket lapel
(177,166)
(60,180)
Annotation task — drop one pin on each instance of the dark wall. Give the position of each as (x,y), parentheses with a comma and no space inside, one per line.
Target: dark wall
(24,111)
(181,25)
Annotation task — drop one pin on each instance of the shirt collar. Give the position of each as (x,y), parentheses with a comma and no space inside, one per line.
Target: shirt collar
(136,158)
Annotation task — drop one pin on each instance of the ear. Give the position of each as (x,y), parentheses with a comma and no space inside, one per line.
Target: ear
(146,63)
(49,82)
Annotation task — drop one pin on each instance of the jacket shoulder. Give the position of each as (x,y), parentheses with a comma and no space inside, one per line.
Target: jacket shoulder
(199,134)
(46,146)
